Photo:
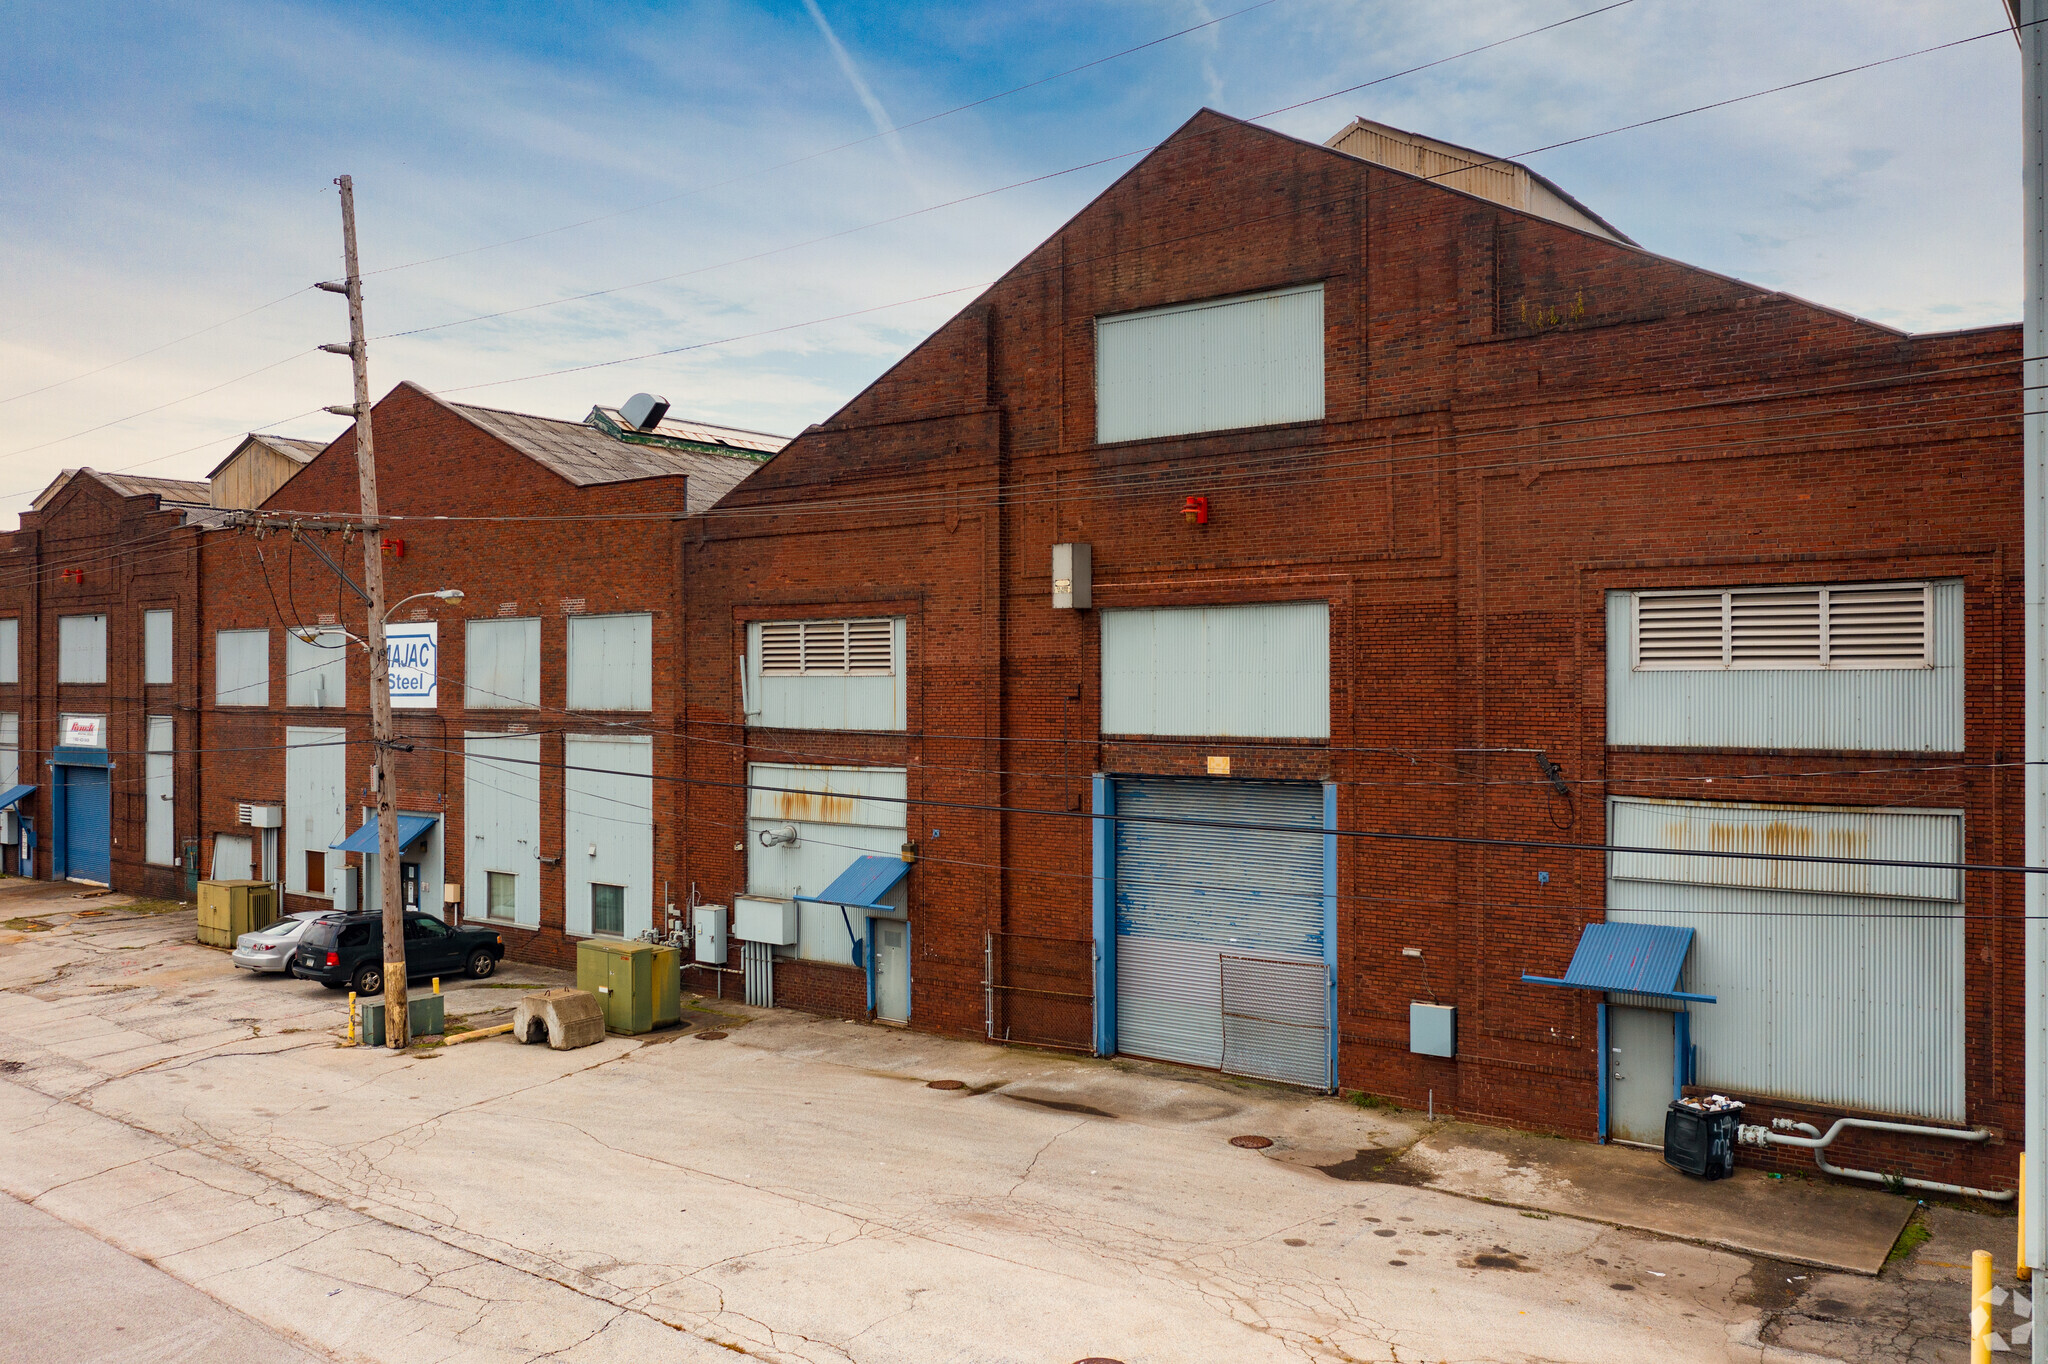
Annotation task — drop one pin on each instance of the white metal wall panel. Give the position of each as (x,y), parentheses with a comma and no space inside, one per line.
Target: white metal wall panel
(1276,1019)
(1803,830)
(159,840)
(838,813)
(241,668)
(1259,671)
(1824,996)
(608,826)
(501,664)
(10,650)
(501,816)
(826,700)
(1210,366)
(1186,895)
(158,662)
(1912,710)
(82,649)
(611,662)
(234,857)
(315,813)
(316,670)
(430,852)
(10,749)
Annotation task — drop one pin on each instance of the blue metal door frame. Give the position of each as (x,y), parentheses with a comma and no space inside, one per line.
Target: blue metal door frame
(1105,915)
(61,767)
(1330,918)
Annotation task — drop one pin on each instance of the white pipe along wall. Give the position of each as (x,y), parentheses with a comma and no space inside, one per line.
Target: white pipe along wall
(1749,1134)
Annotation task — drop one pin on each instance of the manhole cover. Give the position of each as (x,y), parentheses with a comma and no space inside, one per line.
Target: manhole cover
(1252,1143)
(89,914)
(945,1084)
(710,1036)
(1098,1359)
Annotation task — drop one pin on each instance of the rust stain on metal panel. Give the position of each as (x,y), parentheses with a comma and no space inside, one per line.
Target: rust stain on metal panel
(814,807)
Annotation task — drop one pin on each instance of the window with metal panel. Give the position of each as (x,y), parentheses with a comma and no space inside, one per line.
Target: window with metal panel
(501,664)
(157,663)
(1216,365)
(611,662)
(10,748)
(241,668)
(504,896)
(844,648)
(10,650)
(316,669)
(82,649)
(1858,625)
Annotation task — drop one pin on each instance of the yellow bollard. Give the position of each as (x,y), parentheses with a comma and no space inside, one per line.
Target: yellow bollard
(351,1018)
(2021,1272)
(1980,1307)
(437,985)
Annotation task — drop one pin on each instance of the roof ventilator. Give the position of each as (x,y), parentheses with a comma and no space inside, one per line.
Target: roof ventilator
(644,411)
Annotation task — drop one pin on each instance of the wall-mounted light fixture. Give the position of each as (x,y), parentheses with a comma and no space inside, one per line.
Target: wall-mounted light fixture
(1196,511)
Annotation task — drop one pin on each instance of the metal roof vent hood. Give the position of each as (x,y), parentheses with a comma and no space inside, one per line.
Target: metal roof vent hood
(644,411)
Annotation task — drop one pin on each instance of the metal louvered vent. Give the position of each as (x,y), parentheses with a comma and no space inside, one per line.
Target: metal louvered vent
(1871,625)
(808,648)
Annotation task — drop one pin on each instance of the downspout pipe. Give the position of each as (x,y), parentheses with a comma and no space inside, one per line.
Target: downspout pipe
(1750,1134)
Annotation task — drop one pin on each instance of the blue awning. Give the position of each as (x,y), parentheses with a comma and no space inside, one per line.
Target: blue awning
(863,884)
(1641,959)
(410,830)
(12,794)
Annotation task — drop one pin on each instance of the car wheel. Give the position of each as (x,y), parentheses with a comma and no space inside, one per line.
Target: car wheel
(481,963)
(289,973)
(369,980)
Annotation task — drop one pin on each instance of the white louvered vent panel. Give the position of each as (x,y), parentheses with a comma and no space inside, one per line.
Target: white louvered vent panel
(1681,631)
(782,648)
(870,647)
(1774,629)
(1877,627)
(825,646)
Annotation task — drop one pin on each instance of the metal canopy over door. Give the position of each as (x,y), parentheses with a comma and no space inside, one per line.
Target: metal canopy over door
(88,839)
(1187,898)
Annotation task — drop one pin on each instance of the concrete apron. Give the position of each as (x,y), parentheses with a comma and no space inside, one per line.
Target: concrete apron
(1808,1221)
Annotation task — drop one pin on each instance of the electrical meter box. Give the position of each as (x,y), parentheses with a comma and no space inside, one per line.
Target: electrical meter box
(228,909)
(758,919)
(707,932)
(621,977)
(1433,1029)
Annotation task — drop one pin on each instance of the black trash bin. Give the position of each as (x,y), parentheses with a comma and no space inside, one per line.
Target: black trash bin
(1699,1136)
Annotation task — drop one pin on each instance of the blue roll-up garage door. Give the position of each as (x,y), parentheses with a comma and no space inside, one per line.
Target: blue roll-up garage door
(88,846)
(1220,951)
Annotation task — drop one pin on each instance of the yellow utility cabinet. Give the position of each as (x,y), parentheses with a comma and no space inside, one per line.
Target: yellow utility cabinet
(621,976)
(668,985)
(228,909)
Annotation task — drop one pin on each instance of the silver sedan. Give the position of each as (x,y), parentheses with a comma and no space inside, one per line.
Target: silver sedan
(271,949)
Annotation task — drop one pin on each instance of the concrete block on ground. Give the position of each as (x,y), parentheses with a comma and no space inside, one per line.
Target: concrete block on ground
(564,1019)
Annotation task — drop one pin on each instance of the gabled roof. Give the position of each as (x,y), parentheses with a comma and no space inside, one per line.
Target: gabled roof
(291,447)
(172,490)
(588,456)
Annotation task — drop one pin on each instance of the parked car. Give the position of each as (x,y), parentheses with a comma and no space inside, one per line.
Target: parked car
(272,948)
(347,950)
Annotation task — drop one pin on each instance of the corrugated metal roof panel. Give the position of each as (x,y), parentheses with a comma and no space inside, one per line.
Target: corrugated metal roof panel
(1642,959)
(586,456)
(129,485)
(410,827)
(863,884)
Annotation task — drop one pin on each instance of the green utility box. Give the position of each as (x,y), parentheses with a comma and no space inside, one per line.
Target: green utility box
(228,909)
(428,1014)
(637,984)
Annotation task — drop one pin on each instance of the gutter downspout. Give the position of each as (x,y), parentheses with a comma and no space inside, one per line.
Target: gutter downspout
(1751,1135)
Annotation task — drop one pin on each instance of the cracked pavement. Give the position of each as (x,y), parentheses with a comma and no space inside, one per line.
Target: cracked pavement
(796,1192)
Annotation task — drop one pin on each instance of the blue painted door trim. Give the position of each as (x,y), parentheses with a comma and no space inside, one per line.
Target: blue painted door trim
(1105,915)
(1606,1065)
(58,795)
(1330,917)
(66,785)
(909,1001)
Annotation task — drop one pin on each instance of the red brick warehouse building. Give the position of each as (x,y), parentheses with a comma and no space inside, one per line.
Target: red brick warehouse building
(564,540)
(1297,511)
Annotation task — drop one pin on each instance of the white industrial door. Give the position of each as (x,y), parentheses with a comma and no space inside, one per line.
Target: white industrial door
(1188,897)
(1640,1058)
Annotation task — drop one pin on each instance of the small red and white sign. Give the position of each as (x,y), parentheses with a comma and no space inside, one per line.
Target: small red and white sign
(83,731)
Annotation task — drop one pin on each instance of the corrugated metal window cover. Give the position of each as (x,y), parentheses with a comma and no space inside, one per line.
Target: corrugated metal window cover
(1642,959)
(863,884)
(1217,365)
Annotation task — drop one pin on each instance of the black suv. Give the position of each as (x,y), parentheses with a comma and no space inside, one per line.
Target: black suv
(348,950)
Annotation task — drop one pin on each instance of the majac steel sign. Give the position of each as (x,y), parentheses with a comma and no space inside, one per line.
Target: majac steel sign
(414,650)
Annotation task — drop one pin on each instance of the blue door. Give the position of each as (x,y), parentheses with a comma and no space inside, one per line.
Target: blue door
(88,844)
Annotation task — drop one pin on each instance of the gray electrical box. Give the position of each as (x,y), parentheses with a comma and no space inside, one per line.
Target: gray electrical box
(1433,1029)
(708,934)
(1072,577)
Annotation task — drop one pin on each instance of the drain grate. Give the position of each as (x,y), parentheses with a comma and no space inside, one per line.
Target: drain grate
(711,1036)
(945,1084)
(1251,1143)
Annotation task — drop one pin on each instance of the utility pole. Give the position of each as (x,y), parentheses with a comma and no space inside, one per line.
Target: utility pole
(397,1033)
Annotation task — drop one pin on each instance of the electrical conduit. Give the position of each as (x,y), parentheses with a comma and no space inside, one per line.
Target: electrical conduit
(1752,1135)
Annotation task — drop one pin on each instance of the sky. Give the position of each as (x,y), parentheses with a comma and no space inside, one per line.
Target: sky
(564,204)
